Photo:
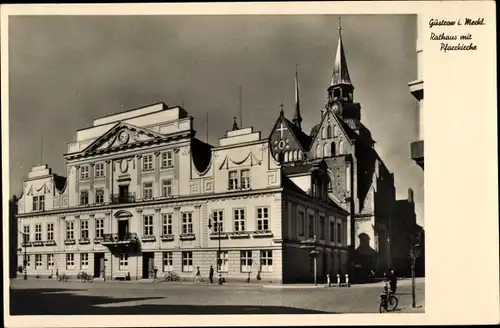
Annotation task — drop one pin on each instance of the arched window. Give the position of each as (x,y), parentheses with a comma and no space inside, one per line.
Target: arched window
(341,147)
(335,131)
(318,151)
(295,155)
(300,155)
(326,150)
(286,156)
(323,133)
(333,149)
(329,132)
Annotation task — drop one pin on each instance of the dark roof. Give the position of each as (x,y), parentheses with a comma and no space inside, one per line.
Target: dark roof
(297,169)
(201,154)
(314,131)
(302,138)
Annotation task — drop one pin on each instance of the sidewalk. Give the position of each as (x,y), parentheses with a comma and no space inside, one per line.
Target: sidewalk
(408,309)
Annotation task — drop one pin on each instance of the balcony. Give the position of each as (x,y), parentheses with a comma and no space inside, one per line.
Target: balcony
(239,234)
(110,239)
(187,236)
(84,241)
(150,238)
(167,237)
(49,243)
(38,243)
(262,233)
(69,242)
(123,198)
(215,235)
(417,152)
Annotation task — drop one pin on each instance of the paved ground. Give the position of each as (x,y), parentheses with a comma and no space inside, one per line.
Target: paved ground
(37,297)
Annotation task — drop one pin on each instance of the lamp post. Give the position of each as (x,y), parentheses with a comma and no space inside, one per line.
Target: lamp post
(218,226)
(25,262)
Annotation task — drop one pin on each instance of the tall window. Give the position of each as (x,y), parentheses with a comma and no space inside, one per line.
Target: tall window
(187,222)
(148,225)
(246,261)
(84,197)
(339,232)
(70,261)
(166,188)
(266,261)
(99,228)
(147,192)
(322,228)
(302,224)
(329,132)
(323,133)
(167,223)
(50,261)
(38,261)
(341,147)
(39,203)
(26,234)
(99,170)
(332,231)
(218,217)
(84,261)
(311,225)
(28,260)
(84,172)
(84,229)
(168,261)
(187,261)
(38,232)
(224,264)
(335,131)
(147,162)
(239,219)
(166,159)
(262,218)
(233,180)
(70,230)
(99,196)
(50,231)
(245,179)
(123,261)
(318,151)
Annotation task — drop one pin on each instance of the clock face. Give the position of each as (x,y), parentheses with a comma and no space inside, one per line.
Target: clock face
(335,107)
(123,137)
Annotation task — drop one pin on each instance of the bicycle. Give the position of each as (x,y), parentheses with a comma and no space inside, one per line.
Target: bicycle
(171,276)
(388,301)
(63,278)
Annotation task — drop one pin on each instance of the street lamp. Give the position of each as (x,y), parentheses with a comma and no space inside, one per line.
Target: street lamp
(25,262)
(218,226)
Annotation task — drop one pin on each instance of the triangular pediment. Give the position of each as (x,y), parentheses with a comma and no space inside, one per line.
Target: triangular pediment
(334,121)
(123,134)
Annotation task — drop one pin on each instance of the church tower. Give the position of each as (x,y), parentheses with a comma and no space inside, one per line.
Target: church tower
(297,119)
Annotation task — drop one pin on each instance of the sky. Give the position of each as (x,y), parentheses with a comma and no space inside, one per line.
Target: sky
(66,71)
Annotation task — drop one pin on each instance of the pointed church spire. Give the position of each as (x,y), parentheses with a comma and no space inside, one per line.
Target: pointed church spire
(297,119)
(340,71)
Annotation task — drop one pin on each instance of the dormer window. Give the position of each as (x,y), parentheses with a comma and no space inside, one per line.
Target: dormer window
(147,163)
(99,170)
(39,203)
(84,172)
(166,159)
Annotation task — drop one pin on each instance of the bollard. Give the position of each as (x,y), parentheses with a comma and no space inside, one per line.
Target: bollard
(328,280)
(338,280)
(347,280)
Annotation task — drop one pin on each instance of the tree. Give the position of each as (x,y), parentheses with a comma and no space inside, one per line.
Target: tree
(414,254)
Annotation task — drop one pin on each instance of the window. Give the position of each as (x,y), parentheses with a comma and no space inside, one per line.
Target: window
(339,232)
(50,231)
(84,261)
(50,261)
(245,179)
(323,133)
(246,261)
(318,151)
(147,190)
(187,261)
(341,147)
(329,132)
(302,224)
(168,261)
(99,196)
(311,225)
(123,261)
(84,172)
(26,234)
(332,231)
(84,197)
(322,228)
(335,131)
(187,223)
(70,232)
(166,159)
(326,150)
(28,260)
(166,188)
(38,232)
(224,261)
(38,261)
(147,162)
(239,219)
(84,229)
(99,170)
(148,225)
(99,228)
(218,217)
(39,203)
(262,218)
(167,223)
(233,180)
(70,261)
(266,261)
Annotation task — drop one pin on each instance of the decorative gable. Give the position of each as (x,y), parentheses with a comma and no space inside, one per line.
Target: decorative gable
(287,142)
(330,138)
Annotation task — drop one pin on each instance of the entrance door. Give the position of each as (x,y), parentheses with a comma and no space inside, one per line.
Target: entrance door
(98,265)
(122,228)
(147,265)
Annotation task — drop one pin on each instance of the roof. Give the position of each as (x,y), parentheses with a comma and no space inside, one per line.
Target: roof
(340,72)
(297,169)
(302,138)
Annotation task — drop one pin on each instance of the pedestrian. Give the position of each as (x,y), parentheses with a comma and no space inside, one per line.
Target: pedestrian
(393,281)
(211,274)
(198,275)
(155,274)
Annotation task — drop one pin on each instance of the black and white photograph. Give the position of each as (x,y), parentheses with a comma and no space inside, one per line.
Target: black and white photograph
(217,164)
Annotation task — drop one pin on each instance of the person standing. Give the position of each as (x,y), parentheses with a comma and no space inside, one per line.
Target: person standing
(197,276)
(393,280)
(155,274)
(211,274)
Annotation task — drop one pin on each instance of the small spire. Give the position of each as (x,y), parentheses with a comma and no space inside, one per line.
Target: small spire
(297,119)
(235,124)
(281,110)
(340,71)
